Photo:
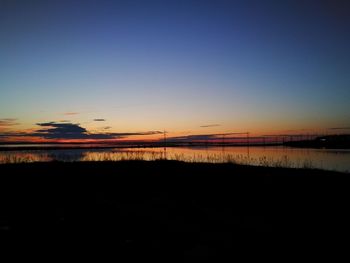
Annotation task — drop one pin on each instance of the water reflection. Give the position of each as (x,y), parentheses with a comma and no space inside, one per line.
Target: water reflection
(267,156)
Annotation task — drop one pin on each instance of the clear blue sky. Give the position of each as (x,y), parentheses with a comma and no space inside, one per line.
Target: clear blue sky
(177,65)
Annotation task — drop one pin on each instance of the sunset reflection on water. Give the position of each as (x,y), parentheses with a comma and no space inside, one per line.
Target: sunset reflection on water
(265,156)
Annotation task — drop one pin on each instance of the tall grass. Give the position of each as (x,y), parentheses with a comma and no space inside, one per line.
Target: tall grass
(115,156)
(24,158)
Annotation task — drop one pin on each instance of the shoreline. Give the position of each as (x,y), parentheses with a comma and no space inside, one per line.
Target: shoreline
(40,148)
(97,147)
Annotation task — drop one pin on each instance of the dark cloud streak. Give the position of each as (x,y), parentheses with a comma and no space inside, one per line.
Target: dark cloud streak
(8,122)
(340,128)
(210,125)
(54,130)
(204,137)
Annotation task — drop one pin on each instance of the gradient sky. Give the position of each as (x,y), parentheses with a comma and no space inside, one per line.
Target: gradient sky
(189,67)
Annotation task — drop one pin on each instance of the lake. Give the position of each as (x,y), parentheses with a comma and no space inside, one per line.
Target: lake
(280,156)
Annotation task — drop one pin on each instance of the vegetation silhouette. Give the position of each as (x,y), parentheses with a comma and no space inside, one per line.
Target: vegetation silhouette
(169,209)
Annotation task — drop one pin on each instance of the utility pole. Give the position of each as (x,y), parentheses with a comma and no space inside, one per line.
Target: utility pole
(248,144)
(164,138)
(165,145)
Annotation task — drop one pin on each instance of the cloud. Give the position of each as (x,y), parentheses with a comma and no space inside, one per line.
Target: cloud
(70,113)
(5,122)
(138,133)
(11,134)
(204,137)
(340,128)
(8,119)
(55,130)
(210,125)
(99,120)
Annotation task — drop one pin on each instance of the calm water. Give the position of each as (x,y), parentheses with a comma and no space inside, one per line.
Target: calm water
(268,156)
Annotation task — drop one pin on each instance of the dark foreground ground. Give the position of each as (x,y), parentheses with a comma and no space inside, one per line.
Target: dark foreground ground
(171,210)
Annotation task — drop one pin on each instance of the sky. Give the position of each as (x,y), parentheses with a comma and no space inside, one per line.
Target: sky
(104,70)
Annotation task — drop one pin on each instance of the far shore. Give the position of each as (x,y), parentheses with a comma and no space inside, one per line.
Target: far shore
(341,141)
(69,146)
(25,147)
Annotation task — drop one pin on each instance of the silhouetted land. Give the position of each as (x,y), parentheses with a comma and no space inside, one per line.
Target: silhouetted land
(328,142)
(64,146)
(170,210)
